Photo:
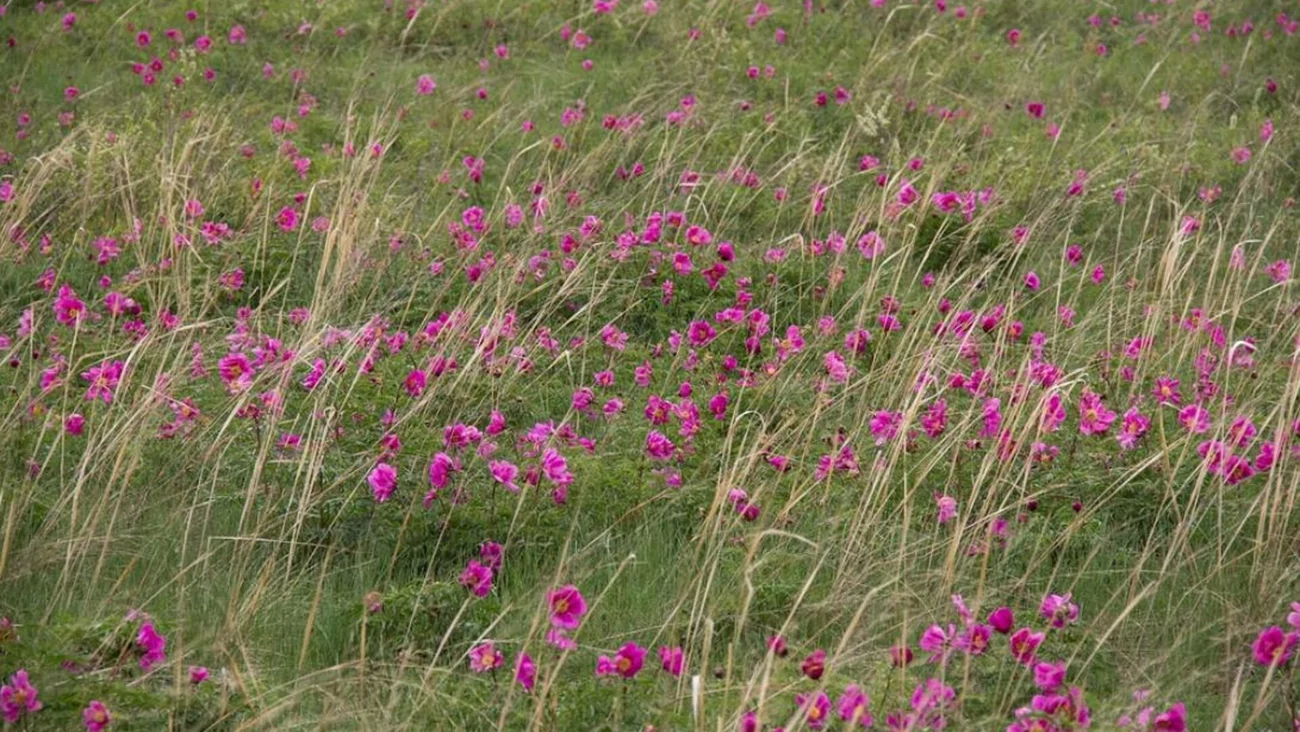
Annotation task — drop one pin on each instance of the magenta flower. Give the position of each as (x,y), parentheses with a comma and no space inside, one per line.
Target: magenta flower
(1194,418)
(947,508)
(525,671)
(68,308)
(1049,676)
(1059,611)
(1024,645)
(477,578)
(440,470)
(627,662)
(814,665)
(18,698)
(1002,620)
(671,658)
(567,607)
(95,716)
(287,219)
(1166,391)
(505,472)
(559,639)
(1134,426)
(975,639)
(484,657)
(103,380)
(1273,646)
(151,646)
(1094,418)
(382,480)
(816,708)
(854,706)
(1173,719)
(198,674)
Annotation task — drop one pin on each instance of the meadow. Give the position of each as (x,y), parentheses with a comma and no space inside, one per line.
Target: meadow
(650,365)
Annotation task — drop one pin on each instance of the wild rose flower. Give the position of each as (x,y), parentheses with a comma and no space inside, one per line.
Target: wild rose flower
(484,657)
(975,639)
(853,706)
(567,607)
(1194,418)
(151,646)
(505,472)
(671,659)
(477,578)
(103,380)
(1049,676)
(936,641)
(1024,645)
(1059,611)
(1132,429)
(814,665)
(627,662)
(95,716)
(1173,719)
(816,708)
(947,508)
(525,671)
(382,480)
(1002,620)
(1094,418)
(18,698)
(1273,646)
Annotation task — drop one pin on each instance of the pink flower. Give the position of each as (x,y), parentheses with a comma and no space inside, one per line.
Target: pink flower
(198,674)
(525,671)
(382,480)
(671,658)
(425,85)
(936,641)
(1024,645)
(567,607)
(816,708)
(103,380)
(1094,418)
(1049,676)
(1273,646)
(947,508)
(814,665)
(1132,429)
(18,697)
(1059,611)
(95,716)
(68,308)
(854,706)
(75,424)
(1195,418)
(626,663)
(287,219)
(484,657)
(1173,719)
(477,578)
(505,472)
(151,646)
(1002,619)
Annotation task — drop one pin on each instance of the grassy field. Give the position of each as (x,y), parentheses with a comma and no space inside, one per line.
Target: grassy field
(700,365)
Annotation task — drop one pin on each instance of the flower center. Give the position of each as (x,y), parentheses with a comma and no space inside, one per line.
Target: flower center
(561,606)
